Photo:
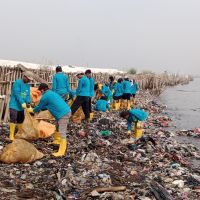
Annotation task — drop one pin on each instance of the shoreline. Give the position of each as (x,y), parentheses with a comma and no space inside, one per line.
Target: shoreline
(94,161)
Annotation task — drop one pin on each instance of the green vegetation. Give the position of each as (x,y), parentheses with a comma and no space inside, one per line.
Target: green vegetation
(132,71)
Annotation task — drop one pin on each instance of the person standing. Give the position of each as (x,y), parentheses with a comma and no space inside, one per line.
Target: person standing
(82,96)
(134,89)
(118,92)
(55,104)
(111,82)
(127,93)
(20,97)
(60,83)
(88,73)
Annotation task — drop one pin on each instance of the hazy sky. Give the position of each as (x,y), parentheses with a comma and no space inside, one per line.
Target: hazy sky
(146,34)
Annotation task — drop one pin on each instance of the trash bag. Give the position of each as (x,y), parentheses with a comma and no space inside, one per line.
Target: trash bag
(20,151)
(45,129)
(32,129)
(44,115)
(29,128)
(78,116)
(35,95)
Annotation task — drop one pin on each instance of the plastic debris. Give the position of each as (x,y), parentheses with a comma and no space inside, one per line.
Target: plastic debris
(158,166)
(105,133)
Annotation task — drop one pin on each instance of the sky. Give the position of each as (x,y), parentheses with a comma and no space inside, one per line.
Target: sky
(151,35)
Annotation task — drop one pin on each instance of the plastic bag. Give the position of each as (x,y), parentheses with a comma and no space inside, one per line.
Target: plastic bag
(32,129)
(29,128)
(45,129)
(44,115)
(35,95)
(20,151)
(78,116)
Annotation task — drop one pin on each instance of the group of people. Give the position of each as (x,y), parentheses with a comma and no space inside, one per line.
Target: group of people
(55,100)
(119,93)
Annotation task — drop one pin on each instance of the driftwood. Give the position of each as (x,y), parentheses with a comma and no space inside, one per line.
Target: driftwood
(2,100)
(110,189)
(160,192)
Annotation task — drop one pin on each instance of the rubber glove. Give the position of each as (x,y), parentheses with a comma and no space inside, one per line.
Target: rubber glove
(24,105)
(129,132)
(30,110)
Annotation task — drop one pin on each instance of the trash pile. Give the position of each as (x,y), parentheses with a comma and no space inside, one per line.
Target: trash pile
(103,163)
(194,133)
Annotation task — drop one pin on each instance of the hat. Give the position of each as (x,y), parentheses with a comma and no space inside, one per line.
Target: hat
(28,74)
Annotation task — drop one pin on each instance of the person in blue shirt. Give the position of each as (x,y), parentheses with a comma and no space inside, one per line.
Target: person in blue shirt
(126,93)
(54,103)
(60,83)
(112,82)
(111,85)
(134,116)
(106,91)
(72,97)
(82,96)
(102,104)
(88,73)
(118,92)
(134,89)
(19,99)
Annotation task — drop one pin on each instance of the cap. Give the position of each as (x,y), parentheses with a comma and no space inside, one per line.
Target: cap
(28,74)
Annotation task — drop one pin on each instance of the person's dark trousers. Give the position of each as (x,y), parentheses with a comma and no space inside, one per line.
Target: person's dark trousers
(90,104)
(81,101)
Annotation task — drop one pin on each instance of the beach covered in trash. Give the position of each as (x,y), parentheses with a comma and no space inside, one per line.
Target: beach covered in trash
(103,163)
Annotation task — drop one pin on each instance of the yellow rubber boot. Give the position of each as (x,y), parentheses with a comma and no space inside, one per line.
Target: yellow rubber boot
(62,148)
(100,86)
(128,105)
(19,128)
(12,131)
(70,103)
(117,106)
(122,104)
(91,116)
(56,138)
(132,102)
(138,130)
(114,105)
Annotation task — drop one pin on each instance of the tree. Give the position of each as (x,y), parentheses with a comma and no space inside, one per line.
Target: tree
(132,71)
(147,72)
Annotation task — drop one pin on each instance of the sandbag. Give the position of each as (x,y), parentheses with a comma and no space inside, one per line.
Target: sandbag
(29,128)
(35,95)
(20,151)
